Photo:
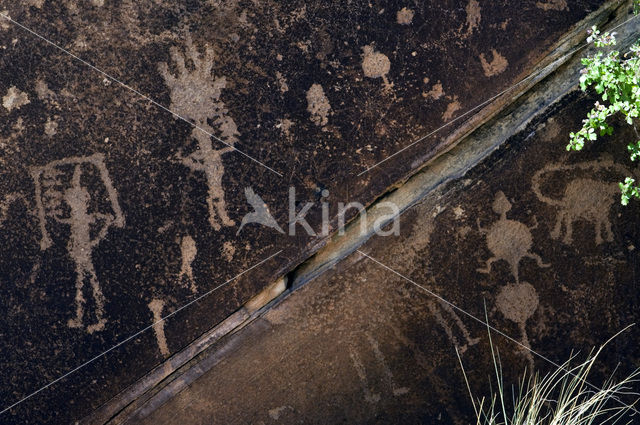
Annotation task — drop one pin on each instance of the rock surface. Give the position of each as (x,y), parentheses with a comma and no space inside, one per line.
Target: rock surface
(362,344)
(115,212)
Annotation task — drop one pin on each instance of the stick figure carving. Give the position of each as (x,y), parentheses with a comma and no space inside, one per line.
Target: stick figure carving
(195,95)
(508,240)
(584,198)
(62,197)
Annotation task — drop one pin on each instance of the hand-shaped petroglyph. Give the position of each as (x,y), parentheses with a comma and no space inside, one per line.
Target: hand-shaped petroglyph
(195,95)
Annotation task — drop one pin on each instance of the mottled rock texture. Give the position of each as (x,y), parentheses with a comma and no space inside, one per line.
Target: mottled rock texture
(114,212)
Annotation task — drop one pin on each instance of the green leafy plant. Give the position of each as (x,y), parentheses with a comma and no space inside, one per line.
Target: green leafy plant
(563,397)
(616,78)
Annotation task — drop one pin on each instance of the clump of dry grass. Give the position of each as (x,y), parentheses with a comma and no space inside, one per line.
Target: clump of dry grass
(562,397)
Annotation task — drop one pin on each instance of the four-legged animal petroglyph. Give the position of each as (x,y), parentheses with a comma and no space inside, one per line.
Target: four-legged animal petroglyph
(508,240)
(584,198)
(195,95)
(62,196)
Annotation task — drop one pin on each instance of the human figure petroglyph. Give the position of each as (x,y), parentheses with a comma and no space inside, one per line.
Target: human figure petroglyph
(508,240)
(518,303)
(67,201)
(188,251)
(195,95)
(583,198)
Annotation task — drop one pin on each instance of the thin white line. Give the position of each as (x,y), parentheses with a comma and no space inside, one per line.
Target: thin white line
(159,105)
(137,333)
(491,99)
(433,294)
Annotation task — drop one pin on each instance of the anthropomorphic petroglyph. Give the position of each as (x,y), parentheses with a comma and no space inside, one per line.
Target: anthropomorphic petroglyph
(188,250)
(518,303)
(62,197)
(508,240)
(195,95)
(369,395)
(584,198)
(156,306)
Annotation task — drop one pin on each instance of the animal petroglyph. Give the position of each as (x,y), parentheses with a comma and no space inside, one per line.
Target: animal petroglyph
(369,395)
(195,95)
(156,306)
(449,330)
(508,240)
(584,198)
(62,197)
(518,303)
(189,251)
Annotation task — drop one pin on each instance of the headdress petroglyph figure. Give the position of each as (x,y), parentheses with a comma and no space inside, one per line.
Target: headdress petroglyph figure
(62,196)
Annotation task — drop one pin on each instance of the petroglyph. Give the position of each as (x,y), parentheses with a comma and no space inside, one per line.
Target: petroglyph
(195,95)
(376,65)
(62,197)
(369,395)
(228,250)
(473,16)
(4,23)
(553,5)
(156,306)
(436,92)
(584,199)
(275,413)
(497,65)
(518,303)
(508,240)
(188,251)
(457,322)
(318,105)
(397,391)
(453,107)
(404,16)
(14,99)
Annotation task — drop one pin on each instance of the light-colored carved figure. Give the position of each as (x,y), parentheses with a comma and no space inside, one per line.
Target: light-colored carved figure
(457,323)
(189,251)
(61,196)
(518,303)
(508,240)
(195,95)
(369,395)
(156,306)
(583,199)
